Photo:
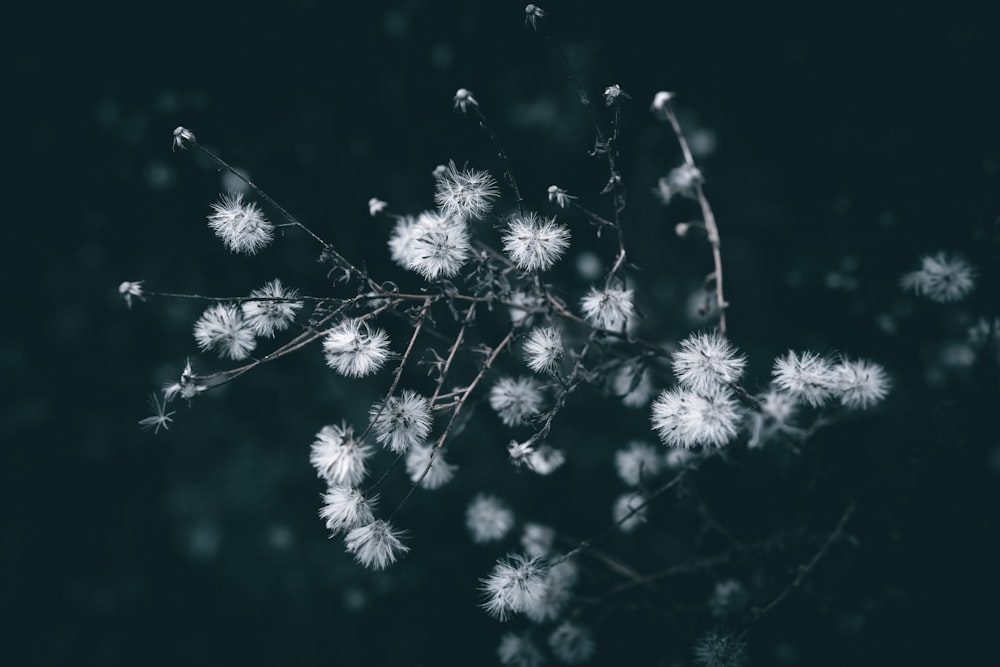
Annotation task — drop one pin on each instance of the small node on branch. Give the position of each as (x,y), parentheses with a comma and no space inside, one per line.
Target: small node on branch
(661,104)
(183,138)
(533,17)
(464,100)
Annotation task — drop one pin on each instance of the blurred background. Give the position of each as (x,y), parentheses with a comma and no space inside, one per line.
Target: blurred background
(837,146)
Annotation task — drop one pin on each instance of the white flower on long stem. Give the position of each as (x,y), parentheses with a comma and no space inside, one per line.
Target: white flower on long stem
(241,225)
(608,308)
(222,328)
(401,421)
(465,193)
(684,418)
(515,400)
(533,243)
(345,507)
(707,360)
(354,349)
(375,545)
(275,312)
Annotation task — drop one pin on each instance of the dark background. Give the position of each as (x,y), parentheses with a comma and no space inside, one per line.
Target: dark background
(849,142)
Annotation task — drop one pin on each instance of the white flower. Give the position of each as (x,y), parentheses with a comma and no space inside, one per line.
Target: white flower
(131,289)
(354,349)
(572,643)
(707,360)
(629,512)
(515,585)
(638,462)
(719,649)
(683,181)
(614,93)
(942,277)
(559,582)
(805,377)
(516,399)
(441,246)
(344,508)
(519,651)
(465,194)
(401,421)
(488,519)
(634,388)
(559,197)
(375,545)
(533,243)
(419,457)
(860,383)
(401,246)
(375,206)
(543,349)
(545,459)
(222,328)
(529,303)
(608,309)
(538,540)
(273,314)
(187,387)
(241,226)
(183,138)
(464,100)
(338,456)
(683,418)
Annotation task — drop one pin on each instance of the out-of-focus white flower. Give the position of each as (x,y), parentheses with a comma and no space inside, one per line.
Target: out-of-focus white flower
(464,100)
(728,598)
(942,277)
(805,377)
(559,581)
(859,383)
(515,400)
(775,416)
(241,226)
(464,193)
(629,511)
(538,540)
(401,421)
(401,246)
(375,545)
(488,519)
(707,360)
(608,309)
(720,649)
(515,585)
(572,643)
(418,458)
(375,206)
(546,459)
(682,181)
(344,508)
(441,246)
(354,349)
(222,328)
(529,302)
(543,349)
(684,418)
(519,651)
(533,243)
(339,457)
(638,462)
(131,289)
(559,197)
(275,312)
(634,386)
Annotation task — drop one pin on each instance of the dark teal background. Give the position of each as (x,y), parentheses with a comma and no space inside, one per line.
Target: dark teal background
(841,132)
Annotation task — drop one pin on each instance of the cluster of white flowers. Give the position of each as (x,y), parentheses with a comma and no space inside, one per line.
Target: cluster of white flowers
(685,418)
(812,379)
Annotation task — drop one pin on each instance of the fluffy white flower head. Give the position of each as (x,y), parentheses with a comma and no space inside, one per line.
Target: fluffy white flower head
(684,418)
(515,585)
(241,225)
(339,457)
(275,312)
(222,328)
(354,349)
(543,349)
(608,309)
(375,545)
(488,519)
(345,508)
(401,421)
(465,193)
(441,246)
(515,400)
(806,377)
(707,360)
(533,243)
(860,383)
(682,181)
(942,277)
